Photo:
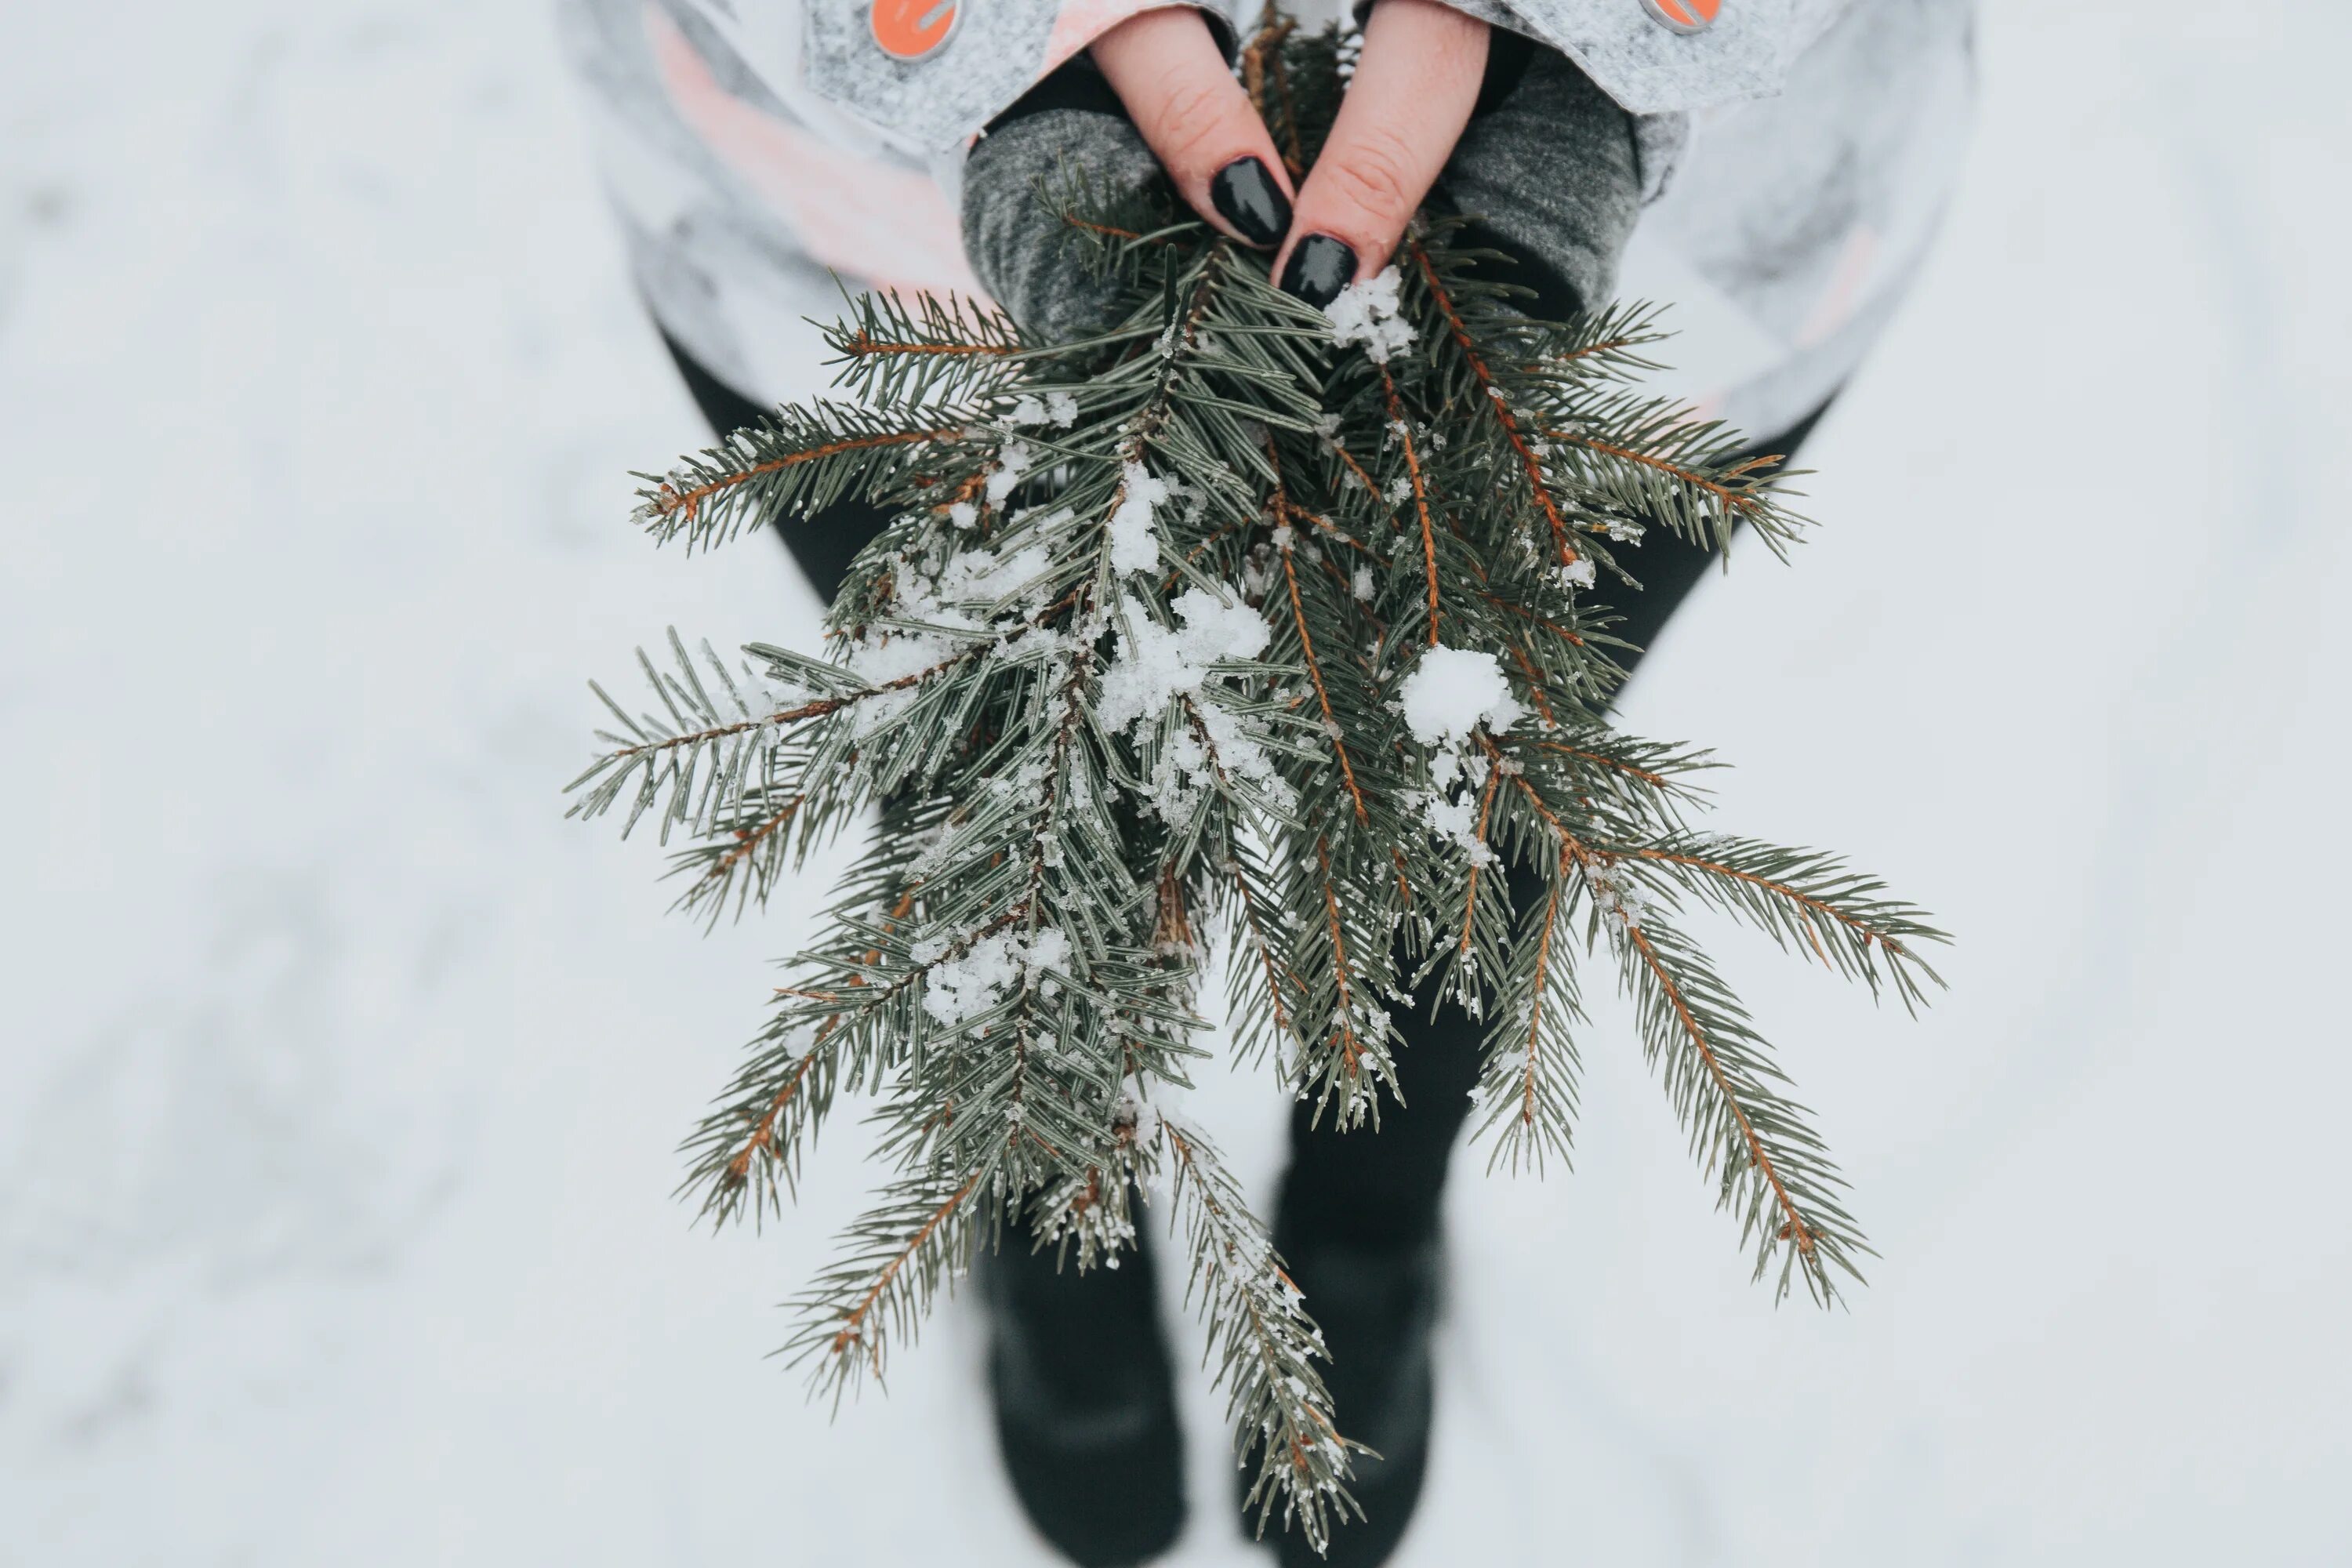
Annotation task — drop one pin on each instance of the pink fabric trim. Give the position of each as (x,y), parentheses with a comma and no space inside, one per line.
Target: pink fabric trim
(1081,21)
(885,226)
(1857,259)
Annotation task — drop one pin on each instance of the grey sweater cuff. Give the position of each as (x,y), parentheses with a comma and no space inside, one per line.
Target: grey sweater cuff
(1018,247)
(1551,174)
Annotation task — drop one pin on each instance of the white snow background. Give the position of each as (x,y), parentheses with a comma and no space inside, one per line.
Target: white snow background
(339,1078)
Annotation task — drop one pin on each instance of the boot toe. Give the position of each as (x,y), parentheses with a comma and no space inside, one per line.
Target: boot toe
(1085,1406)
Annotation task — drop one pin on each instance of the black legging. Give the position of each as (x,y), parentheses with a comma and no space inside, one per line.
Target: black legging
(1354,1188)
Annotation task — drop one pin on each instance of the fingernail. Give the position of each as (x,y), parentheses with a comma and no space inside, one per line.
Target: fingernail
(1320,269)
(1245,196)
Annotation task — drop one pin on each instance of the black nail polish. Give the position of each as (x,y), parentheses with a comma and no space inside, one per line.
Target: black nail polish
(1245,196)
(1320,269)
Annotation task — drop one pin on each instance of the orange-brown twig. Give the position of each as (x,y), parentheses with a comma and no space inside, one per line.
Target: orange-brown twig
(1543,621)
(1315,672)
(1292,510)
(866,343)
(1658,780)
(1262,65)
(668,502)
(1738,500)
(1494,399)
(1535,1020)
(1470,899)
(748,841)
(763,1136)
(1870,933)
(1568,840)
(851,1333)
(825,705)
(764,1133)
(1347,1046)
(1103,228)
(1603,346)
(1265,954)
(1196,552)
(1795,1227)
(1354,467)
(1534,687)
(1419,496)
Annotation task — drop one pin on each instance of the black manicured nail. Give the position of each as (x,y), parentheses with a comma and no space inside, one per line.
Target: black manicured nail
(1245,196)
(1320,269)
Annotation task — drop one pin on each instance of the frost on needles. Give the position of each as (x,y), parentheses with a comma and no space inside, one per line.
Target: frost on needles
(1241,630)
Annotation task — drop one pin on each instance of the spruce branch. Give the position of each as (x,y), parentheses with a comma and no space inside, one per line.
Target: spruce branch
(1771,1166)
(898,1254)
(1208,641)
(1263,1345)
(1527,1088)
(797,460)
(1807,901)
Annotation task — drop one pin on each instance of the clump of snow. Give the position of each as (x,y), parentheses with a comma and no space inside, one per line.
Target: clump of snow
(1577,573)
(1452,691)
(1176,783)
(963,514)
(1613,891)
(1452,818)
(1010,464)
(1361,584)
(881,660)
(1399,490)
(1134,541)
(1624,531)
(1449,818)
(1048,949)
(1153,664)
(979,574)
(976,575)
(1055,408)
(1366,313)
(956,990)
(766,696)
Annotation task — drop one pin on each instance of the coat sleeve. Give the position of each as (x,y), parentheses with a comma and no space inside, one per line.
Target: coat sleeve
(928,74)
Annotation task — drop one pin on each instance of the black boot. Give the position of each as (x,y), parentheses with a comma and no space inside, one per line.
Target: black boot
(1086,1407)
(1359,1227)
(1377,1305)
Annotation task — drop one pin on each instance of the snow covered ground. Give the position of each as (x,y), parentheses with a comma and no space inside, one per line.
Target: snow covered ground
(339,1078)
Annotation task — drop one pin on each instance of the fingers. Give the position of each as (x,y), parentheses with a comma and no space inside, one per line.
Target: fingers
(1166,68)
(1413,89)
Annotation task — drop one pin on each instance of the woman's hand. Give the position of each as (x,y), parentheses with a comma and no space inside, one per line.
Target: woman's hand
(1522,143)
(1167,70)
(1414,86)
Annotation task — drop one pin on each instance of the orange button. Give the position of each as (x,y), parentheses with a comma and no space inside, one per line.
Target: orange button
(909,29)
(1683,16)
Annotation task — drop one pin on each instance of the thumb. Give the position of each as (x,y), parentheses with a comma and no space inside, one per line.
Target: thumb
(1413,88)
